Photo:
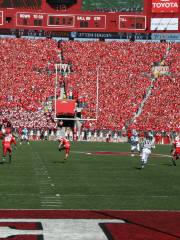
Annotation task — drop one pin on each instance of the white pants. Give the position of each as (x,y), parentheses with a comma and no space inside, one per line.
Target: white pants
(145,154)
(24,137)
(135,147)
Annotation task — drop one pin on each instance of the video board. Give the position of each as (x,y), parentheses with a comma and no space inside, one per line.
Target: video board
(113,5)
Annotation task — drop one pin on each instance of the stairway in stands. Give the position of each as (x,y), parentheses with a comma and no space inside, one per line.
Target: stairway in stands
(148,93)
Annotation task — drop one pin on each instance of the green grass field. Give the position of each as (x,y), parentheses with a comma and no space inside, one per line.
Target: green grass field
(94,4)
(37,178)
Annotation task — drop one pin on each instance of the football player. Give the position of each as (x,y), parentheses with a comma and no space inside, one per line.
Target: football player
(134,141)
(175,149)
(8,140)
(64,144)
(147,145)
(25,135)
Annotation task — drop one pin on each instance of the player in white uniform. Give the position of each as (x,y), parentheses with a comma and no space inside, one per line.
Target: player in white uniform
(147,144)
(115,137)
(134,141)
(89,136)
(101,137)
(25,136)
(95,136)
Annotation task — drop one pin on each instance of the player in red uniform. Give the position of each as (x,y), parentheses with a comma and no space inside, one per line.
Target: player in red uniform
(64,144)
(6,143)
(176,149)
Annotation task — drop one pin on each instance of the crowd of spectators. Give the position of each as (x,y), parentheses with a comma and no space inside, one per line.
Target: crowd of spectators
(161,110)
(120,70)
(27,80)
(124,73)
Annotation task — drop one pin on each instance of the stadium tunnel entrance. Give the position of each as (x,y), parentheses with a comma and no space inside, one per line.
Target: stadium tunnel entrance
(65,123)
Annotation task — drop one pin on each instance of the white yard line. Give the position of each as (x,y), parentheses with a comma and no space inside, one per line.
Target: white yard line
(113,153)
(55,199)
(47,195)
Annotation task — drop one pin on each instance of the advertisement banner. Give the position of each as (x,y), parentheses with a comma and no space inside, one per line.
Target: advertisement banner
(165,6)
(164,24)
(119,35)
(166,36)
(160,70)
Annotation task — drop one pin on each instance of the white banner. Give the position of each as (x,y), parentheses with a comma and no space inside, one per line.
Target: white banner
(160,70)
(164,23)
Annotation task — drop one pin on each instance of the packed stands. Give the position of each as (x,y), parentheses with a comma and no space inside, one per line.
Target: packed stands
(124,77)
(161,111)
(123,70)
(27,79)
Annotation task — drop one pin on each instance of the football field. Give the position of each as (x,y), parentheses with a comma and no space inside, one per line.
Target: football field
(94,4)
(99,176)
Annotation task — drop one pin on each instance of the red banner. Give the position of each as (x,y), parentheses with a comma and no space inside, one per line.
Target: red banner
(165,6)
(65,107)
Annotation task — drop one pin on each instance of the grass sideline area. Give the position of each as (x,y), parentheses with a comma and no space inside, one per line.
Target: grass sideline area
(96,176)
(94,4)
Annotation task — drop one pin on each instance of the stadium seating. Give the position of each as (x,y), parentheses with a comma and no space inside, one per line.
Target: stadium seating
(27,79)
(161,111)
(122,69)
(124,77)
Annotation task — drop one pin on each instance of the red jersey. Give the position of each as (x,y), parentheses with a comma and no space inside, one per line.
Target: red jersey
(8,130)
(177,145)
(65,142)
(8,140)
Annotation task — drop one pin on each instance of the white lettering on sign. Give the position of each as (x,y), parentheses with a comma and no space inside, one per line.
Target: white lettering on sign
(122,19)
(83,18)
(59,229)
(97,18)
(22,15)
(165,5)
(38,16)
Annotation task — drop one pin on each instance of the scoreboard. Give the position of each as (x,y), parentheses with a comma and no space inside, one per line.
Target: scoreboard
(31,19)
(79,21)
(112,22)
(61,21)
(91,21)
(127,22)
(68,21)
(40,19)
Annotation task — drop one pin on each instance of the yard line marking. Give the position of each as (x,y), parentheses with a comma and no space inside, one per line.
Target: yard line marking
(46,185)
(51,197)
(159,196)
(55,199)
(117,153)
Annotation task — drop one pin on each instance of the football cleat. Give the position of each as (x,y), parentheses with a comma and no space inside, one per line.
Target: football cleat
(173,162)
